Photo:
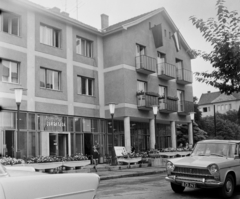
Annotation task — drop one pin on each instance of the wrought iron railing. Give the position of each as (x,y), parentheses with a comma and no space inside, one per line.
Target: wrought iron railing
(167,69)
(184,75)
(147,63)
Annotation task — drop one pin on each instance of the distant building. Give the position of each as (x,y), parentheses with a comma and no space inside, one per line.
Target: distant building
(223,103)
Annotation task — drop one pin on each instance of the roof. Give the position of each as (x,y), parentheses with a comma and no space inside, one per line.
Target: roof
(215,97)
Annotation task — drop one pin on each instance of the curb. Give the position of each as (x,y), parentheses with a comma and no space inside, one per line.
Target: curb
(131,175)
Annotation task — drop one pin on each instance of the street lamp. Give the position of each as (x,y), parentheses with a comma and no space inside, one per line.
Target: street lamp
(192,119)
(155,110)
(112,110)
(18,97)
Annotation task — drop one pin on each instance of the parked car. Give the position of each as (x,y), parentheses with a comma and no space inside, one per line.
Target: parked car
(25,183)
(212,164)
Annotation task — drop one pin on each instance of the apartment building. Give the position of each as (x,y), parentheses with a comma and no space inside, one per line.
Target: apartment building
(72,71)
(220,101)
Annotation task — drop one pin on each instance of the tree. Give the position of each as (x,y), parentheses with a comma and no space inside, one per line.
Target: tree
(198,114)
(224,36)
(238,115)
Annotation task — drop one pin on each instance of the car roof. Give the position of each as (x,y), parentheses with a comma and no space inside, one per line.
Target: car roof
(220,141)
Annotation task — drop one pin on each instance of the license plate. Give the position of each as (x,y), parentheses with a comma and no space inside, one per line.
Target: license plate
(190,185)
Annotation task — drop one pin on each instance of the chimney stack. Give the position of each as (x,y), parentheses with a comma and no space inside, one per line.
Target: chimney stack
(209,91)
(104,21)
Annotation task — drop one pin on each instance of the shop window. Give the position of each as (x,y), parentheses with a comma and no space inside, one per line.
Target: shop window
(8,120)
(87,125)
(22,120)
(21,144)
(10,71)
(31,144)
(31,121)
(50,36)
(85,85)
(79,143)
(77,124)
(50,79)
(84,47)
(10,23)
(70,124)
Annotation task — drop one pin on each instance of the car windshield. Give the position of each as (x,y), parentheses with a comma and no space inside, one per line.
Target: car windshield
(211,149)
(3,171)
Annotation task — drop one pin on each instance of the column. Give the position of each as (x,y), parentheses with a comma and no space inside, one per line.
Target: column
(30,68)
(152,134)
(190,133)
(70,86)
(101,76)
(173,135)
(127,134)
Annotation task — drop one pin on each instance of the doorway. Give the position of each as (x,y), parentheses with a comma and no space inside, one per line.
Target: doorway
(9,143)
(88,144)
(58,144)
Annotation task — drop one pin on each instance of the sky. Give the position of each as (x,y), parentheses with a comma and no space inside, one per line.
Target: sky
(89,12)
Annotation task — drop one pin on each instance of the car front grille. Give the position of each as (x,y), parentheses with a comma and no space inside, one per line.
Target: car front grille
(192,173)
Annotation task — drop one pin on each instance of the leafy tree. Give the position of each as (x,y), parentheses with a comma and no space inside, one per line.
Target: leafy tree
(198,114)
(238,115)
(224,36)
(225,129)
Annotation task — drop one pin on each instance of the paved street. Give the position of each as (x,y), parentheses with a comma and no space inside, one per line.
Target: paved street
(150,187)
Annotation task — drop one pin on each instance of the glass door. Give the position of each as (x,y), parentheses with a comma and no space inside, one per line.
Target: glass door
(53,144)
(8,148)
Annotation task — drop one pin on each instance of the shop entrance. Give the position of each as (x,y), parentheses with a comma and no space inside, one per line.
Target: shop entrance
(88,144)
(58,144)
(9,143)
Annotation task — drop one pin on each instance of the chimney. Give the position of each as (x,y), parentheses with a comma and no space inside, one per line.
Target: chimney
(209,92)
(55,9)
(104,21)
(65,14)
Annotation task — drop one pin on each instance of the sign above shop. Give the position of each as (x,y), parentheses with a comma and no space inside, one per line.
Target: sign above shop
(54,121)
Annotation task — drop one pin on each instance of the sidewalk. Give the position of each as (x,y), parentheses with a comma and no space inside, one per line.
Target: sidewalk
(107,172)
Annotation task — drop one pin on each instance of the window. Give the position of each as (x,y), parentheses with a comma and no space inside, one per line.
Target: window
(141,86)
(179,64)
(170,35)
(140,50)
(85,85)
(49,79)
(10,71)
(162,91)
(180,95)
(84,47)
(230,106)
(50,36)
(205,109)
(10,23)
(161,58)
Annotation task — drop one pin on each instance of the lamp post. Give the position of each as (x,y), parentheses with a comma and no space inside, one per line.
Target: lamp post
(18,97)
(192,119)
(155,109)
(112,110)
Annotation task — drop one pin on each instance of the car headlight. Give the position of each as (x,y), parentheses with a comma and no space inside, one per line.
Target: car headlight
(170,167)
(214,170)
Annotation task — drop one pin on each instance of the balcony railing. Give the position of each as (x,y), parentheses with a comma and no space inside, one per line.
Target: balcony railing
(184,76)
(185,107)
(167,106)
(166,71)
(146,100)
(146,65)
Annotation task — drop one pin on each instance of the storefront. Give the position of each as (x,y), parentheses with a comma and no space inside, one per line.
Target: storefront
(47,135)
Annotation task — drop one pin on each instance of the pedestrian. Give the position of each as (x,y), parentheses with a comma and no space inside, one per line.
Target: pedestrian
(95,155)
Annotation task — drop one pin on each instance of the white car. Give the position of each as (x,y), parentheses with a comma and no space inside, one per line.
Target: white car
(25,183)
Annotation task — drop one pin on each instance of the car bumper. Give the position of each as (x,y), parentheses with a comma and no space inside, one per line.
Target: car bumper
(200,182)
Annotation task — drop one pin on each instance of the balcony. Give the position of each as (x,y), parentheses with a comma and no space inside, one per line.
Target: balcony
(146,65)
(184,76)
(166,71)
(185,107)
(146,100)
(168,105)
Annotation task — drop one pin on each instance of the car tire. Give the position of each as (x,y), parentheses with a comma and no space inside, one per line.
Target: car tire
(177,188)
(228,188)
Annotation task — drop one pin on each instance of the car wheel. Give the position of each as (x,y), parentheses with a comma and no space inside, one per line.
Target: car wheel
(228,188)
(177,188)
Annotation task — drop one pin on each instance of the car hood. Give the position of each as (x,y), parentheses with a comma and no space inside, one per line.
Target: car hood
(197,161)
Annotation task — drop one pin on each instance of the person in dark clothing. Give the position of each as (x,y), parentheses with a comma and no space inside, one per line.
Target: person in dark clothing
(133,149)
(95,155)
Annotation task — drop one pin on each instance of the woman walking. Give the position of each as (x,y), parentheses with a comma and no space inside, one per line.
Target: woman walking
(95,155)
